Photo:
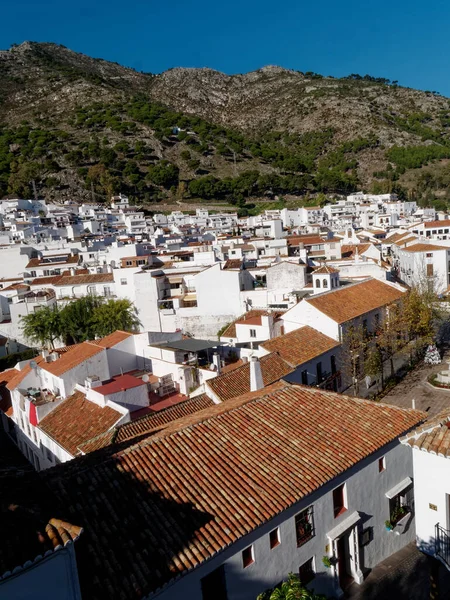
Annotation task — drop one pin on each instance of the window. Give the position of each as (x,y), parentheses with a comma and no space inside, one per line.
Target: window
(319,372)
(401,505)
(429,255)
(247,557)
(317,283)
(91,255)
(214,586)
(339,500)
(252,333)
(381,464)
(304,526)
(123,282)
(274,538)
(366,536)
(306,572)
(305,377)
(325,283)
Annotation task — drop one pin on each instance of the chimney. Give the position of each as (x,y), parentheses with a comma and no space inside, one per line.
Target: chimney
(92,382)
(72,271)
(216,362)
(256,380)
(44,353)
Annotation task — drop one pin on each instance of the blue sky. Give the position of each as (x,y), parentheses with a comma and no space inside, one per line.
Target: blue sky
(401,39)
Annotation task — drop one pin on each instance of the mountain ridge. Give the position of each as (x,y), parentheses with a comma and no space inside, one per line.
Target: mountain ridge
(272,120)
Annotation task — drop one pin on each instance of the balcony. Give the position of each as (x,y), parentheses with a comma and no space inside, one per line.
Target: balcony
(442,545)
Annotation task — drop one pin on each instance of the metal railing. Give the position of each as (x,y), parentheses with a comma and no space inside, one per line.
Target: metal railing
(443,544)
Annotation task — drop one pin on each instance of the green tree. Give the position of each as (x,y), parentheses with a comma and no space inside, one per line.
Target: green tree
(114,314)
(77,319)
(43,327)
(291,589)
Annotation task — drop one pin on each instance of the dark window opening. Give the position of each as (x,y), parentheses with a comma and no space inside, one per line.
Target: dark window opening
(306,572)
(339,500)
(304,526)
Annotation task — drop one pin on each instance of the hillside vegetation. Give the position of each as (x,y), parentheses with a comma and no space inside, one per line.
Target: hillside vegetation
(85,128)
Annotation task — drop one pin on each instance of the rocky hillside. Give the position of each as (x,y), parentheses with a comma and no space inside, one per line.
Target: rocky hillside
(80,126)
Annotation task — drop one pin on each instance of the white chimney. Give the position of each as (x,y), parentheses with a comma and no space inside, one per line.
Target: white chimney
(216,362)
(256,379)
(92,382)
(44,353)
(72,271)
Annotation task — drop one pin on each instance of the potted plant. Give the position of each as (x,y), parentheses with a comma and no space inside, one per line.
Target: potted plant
(388,525)
(328,561)
(398,513)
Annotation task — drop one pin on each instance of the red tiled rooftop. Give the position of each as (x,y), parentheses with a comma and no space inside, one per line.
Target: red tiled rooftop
(237,382)
(119,384)
(209,479)
(301,345)
(77,420)
(344,304)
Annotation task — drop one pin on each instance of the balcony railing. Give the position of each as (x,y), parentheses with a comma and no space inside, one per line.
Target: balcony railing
(443,544)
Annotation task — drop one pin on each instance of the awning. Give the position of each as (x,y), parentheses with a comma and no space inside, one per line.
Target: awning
(399,487)
(190,297)
(346,524)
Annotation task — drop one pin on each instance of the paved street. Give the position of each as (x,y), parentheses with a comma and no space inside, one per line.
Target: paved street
(415,386)
(403,576)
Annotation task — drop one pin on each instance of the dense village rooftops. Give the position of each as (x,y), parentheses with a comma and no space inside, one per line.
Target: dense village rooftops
(165,505)
(77,420)
(347,303)
(301,345)
(425,248)
(237,382)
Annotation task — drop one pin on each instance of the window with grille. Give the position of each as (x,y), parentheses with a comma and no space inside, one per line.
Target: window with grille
(304,526)
(306,571)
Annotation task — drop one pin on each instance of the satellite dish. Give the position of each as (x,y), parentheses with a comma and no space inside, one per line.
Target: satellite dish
(145,378)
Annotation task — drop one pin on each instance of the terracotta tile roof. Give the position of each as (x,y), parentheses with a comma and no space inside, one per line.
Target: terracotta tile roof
(41,262)
(71,358)
(395,237)
(16,286)
(250,321)
(230,331)
(46,280)
(349,250)
(232,263)
(435,224)
(119,383)
(164,506)
(147,424)
(325,270)
(349,302)
(77,420)
(406,240)
(19,376)
(432,436)
(86,279)
(112,339)
(425,248)
(237,382)
(30,519)
(232,366)
(301,345)
(5,396)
